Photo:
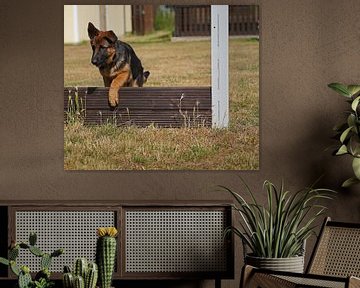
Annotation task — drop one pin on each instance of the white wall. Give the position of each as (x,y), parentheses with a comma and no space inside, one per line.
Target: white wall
(86,14)
(68,24)
(118,19)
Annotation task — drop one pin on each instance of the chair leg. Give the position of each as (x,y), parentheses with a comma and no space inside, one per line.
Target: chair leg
(246,273)
(217,283)
(250,278)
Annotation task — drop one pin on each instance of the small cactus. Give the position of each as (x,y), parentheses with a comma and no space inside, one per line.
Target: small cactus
(24,278)
(80,268)
(89,272)
(36,251)
(91,276)
(32,238)
(44,273)
(106,254)
(24,246)
(68,280)
(79,282)
(57,252)
(45,261)
(67,269)
(13,253)
(14,268)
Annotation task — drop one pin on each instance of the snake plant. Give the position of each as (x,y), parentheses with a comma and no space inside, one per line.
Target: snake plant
(279,228)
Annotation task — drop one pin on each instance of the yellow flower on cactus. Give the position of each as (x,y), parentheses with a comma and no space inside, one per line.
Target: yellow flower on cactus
(107,231)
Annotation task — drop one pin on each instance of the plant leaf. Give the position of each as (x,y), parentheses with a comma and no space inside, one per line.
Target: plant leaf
(342,150)
(345,134)
(4,261)
(351,119)
(349,182)
(340,88)
(355,103)
(354,145)
(356,167)
(353,89)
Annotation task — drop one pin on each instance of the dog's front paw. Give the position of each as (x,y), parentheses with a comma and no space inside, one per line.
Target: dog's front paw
(113,97)
(113,103)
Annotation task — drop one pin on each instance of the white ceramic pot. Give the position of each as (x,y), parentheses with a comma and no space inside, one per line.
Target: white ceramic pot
(291,264)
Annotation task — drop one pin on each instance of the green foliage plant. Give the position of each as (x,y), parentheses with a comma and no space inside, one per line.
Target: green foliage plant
(164,19)
(348,132)
(280,228)
(42,278)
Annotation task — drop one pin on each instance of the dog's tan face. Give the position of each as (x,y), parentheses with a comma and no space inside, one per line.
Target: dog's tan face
(103,46)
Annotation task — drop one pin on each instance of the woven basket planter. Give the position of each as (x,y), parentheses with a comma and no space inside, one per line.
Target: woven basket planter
(291,264)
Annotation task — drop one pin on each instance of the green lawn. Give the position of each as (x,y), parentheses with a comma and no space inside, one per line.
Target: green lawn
(171,64)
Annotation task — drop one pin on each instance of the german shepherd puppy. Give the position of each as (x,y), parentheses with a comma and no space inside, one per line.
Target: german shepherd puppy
(117,62)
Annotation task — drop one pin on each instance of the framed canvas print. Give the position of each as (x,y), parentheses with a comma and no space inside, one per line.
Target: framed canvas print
(161,87)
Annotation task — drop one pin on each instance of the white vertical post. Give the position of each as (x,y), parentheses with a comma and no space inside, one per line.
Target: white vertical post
(220,65)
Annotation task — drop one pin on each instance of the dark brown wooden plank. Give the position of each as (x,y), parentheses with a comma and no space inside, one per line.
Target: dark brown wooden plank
(162,118)
(180,98)
(161,106)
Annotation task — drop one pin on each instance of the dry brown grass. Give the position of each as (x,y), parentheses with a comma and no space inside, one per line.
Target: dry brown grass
(171,64)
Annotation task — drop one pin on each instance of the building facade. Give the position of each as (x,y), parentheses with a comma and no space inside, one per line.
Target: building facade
(104,17)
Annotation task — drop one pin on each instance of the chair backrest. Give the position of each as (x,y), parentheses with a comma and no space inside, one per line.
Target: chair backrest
(337,251)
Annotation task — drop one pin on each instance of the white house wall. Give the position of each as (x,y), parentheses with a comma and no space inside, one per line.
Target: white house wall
(118,19)
(68,24)
(86,14)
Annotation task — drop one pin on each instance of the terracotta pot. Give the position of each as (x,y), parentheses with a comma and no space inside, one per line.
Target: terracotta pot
(291,264)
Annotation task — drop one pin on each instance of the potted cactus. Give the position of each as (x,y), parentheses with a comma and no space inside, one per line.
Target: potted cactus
(84,275)
(42,278)
(106,254)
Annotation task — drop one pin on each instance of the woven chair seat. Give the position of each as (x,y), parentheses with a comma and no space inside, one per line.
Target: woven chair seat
(335,262)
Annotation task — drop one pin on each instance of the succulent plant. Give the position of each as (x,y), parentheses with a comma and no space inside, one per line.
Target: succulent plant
(79,282)
(25,279)
(42,278)
(91,276)
(42,283)
(106,254)
(68,278)
(85,275)
(80,268)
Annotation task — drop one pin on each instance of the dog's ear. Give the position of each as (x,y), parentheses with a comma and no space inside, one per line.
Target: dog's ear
(92,31)
(111,37)
(146,74)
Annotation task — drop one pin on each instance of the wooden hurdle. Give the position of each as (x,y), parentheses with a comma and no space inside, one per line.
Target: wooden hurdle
(158,106)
